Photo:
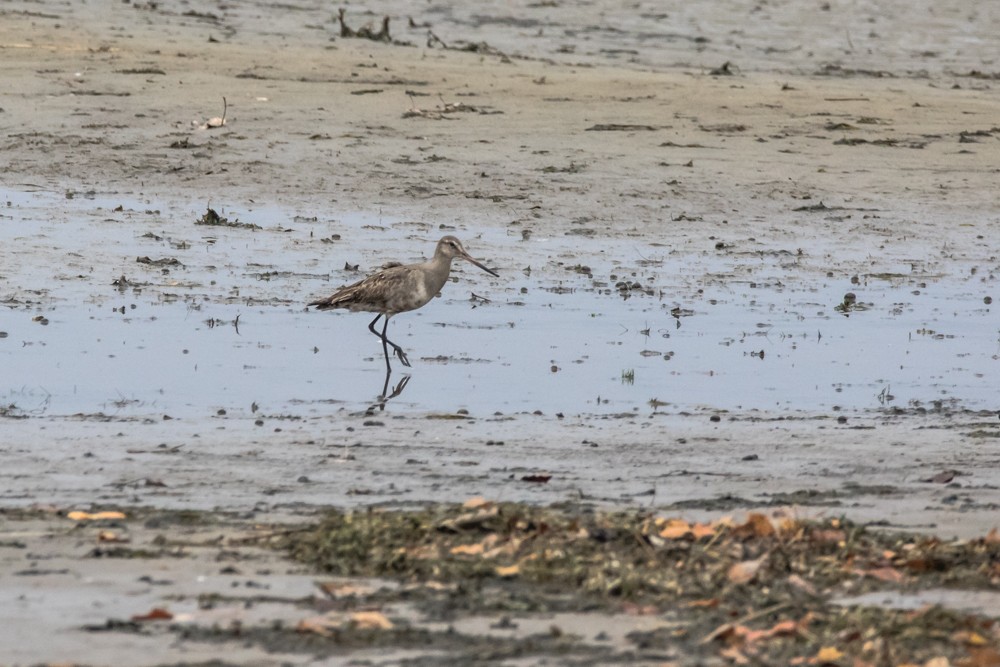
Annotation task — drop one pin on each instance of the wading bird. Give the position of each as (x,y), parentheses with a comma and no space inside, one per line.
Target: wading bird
(399,288)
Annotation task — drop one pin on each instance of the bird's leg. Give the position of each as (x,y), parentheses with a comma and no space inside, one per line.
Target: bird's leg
(397,349)
(385,349)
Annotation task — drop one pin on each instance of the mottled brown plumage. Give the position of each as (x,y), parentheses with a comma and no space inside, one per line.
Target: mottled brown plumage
(398,289)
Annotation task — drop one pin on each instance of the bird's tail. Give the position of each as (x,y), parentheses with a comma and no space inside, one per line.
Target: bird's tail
(324,304)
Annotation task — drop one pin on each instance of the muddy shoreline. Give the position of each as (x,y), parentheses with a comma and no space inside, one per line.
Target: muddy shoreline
(671,332)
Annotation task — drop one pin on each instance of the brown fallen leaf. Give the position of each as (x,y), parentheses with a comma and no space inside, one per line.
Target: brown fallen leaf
(474,519)
(343,589)
(827,654)
(155,614)
(370,620)
(96,516)
(537,479)
(674,529)
(508,548)
(326,624)
(111,536)
(801,584)
(779,629)
(887,574)
(702,530)
(757,525)
(970,637)
(745,572)
(828,536)
(939,661)
(980,657)
(467,550)
(709,603)
(319,625)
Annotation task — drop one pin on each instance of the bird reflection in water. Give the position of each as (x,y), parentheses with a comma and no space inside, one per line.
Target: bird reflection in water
(385,397)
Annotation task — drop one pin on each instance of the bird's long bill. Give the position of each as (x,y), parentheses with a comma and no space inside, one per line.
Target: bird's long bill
(466,256)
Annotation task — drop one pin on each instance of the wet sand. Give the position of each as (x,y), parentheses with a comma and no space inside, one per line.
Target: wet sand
(733,206)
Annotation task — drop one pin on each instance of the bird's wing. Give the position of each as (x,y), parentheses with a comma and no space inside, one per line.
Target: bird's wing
(374,293)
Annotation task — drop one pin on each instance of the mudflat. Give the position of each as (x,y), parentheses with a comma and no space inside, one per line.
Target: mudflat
(747,261)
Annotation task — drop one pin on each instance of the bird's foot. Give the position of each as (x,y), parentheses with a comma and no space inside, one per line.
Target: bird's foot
(402,356)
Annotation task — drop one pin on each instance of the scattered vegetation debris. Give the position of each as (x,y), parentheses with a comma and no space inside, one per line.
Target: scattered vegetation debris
(943,477)
(620,127)
(674,144)
(141,70)
(571,168)
(976,74)
(724,128)
(366,31)
(818,207)
(888,143)
(445,109)
(725,69)
(832,69)
(213,219)
(472,47)
(761,590)
(165,261)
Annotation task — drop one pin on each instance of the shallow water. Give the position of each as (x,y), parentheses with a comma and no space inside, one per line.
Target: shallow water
(227,329)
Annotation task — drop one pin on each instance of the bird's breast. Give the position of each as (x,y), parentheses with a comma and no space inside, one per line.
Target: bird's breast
(411,299)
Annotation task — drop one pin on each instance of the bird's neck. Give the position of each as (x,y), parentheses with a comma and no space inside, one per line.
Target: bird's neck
(439,267)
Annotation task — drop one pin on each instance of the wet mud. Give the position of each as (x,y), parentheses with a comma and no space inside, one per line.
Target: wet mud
(746,262)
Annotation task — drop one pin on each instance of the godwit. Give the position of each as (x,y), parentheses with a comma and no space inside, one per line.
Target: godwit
(397,289)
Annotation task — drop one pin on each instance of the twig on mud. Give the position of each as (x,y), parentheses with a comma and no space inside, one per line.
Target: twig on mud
(433,39)
(683,473)
(762,612)
(365,31)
